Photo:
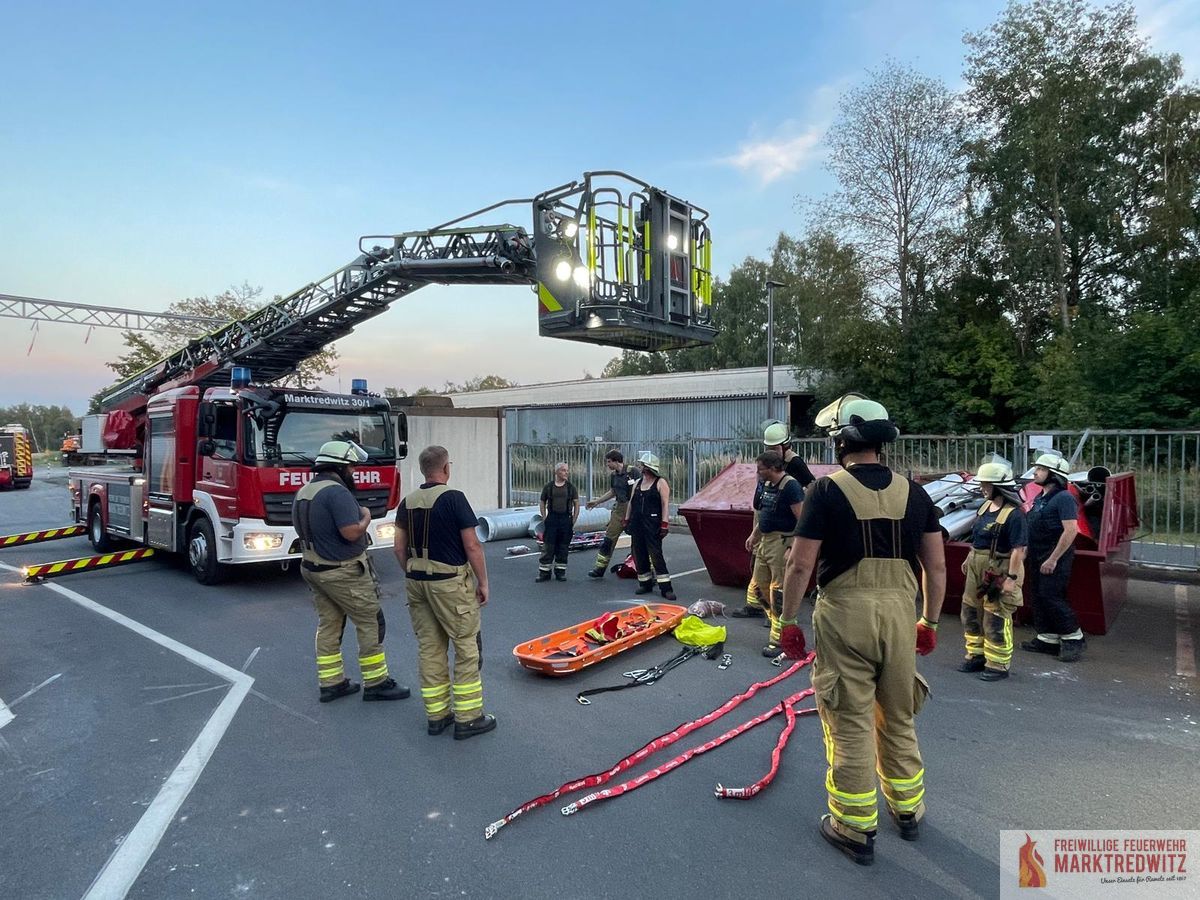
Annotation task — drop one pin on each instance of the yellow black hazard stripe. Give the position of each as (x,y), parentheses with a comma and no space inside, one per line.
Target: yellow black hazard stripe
(35,537)
(70,566)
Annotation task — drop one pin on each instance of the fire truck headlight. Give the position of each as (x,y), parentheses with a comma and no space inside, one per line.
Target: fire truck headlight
(262,540)
(582,277)
(386,532)
(562,271)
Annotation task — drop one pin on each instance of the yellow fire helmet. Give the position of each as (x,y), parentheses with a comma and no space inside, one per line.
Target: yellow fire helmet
(1055,463)
(855,418)
(997,473)
(342,453)
(649,461)
(775,434)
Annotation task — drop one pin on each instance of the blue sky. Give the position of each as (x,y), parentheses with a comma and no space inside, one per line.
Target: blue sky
(150,152)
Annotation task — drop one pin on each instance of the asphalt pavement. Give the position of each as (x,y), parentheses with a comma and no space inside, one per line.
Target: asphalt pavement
(167,736)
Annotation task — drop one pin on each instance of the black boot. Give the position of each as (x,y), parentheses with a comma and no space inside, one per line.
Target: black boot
(482,725)
(542,576)
(863,854)
(645,588)
(437,726)
(597,572)
(771,651)
(1071,651)
(333,691)
(749,612)
(560,576)
(385,690)
(974,664)
(910,828)
(1037,645)
(993,675)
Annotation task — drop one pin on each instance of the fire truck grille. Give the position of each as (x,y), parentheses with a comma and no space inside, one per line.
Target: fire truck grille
(279,506)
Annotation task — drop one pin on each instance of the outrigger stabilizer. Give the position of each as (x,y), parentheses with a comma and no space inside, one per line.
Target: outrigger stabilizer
(86,563)
(37,537)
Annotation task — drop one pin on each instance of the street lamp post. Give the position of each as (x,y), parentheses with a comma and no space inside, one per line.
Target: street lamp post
(771,285)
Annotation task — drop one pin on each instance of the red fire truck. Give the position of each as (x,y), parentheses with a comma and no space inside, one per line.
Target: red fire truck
(218,453)
(16,457)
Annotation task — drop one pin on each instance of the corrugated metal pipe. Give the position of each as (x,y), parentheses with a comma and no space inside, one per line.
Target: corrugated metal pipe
(589,520)
(505,524)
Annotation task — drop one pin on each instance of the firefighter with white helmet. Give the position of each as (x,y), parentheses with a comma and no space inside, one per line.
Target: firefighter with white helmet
(994,571)
(1053,524)
(332,528)
(868,532)
(646,521)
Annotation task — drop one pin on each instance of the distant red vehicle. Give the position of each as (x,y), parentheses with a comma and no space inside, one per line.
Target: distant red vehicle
(16,457)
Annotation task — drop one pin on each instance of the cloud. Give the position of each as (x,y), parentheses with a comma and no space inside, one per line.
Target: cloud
(793,144)
(773,158)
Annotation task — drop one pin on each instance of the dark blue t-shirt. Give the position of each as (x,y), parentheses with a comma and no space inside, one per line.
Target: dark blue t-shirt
(1013,533)
(1046,520)
(332,509)
(451,513)
(775,506)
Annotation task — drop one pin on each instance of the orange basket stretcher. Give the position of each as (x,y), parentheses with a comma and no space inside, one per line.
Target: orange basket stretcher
(571,649)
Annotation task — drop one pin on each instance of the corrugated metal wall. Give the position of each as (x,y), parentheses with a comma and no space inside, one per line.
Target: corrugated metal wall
(642,420)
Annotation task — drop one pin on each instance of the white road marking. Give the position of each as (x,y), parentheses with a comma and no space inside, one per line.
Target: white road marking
(521,555)
(1185,648)
(173,687)
(6,715)
(287,709)
(689,572)
(215,687)
(250,658)
(34,690)
(129,859)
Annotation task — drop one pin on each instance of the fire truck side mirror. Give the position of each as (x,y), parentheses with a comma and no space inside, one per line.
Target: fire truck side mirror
(206,422)
(401,435)
(207,447)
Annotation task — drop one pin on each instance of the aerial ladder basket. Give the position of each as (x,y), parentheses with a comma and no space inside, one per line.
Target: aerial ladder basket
(611,259)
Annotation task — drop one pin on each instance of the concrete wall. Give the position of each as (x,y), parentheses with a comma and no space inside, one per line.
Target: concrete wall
(474,438)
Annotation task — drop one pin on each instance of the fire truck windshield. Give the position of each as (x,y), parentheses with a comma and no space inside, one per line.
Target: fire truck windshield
(298,436)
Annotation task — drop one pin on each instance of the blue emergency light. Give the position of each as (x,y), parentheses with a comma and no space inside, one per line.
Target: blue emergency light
(240,377)
(358,386)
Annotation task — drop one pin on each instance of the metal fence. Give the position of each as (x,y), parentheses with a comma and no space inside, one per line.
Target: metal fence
(1166,465)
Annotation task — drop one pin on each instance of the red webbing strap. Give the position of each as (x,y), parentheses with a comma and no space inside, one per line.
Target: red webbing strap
(651,774)
(745,793)
(664,740)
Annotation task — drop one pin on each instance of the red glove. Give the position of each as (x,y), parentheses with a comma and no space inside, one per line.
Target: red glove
(926,636)
(791,639)
(664,528)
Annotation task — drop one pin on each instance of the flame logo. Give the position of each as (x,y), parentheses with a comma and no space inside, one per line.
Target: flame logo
(1031,873)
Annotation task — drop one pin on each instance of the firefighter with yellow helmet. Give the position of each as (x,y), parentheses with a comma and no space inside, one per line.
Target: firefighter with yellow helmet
(332,528)
(869,533)
(1053,524)
(994,571)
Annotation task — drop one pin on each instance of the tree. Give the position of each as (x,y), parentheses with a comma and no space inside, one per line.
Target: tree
(1083,155)
(48,424)
(895,150)
(147,348)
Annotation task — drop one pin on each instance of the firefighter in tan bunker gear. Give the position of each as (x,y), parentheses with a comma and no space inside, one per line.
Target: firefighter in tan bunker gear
(994,574)
(332,528)
(447,586)
(868,532)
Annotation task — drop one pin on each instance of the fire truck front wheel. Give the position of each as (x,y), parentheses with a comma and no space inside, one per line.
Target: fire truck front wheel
(100,541)
(202,553)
